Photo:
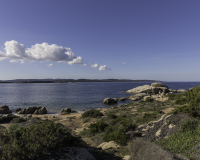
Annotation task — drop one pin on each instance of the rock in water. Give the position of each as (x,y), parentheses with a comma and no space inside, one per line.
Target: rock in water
(114,100)
(41,110)
(28,110)
(107,100)
(65,111)
(122,99)
(4,109)
(18,109)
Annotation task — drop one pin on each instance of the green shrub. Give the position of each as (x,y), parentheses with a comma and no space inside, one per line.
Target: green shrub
(171,96)
(111,115)
(189,125)
(118,136)
(147,117)
(149,100)
(17,120)
(94,129)
(117,133)
(98,127)
(92,113)
(30,142)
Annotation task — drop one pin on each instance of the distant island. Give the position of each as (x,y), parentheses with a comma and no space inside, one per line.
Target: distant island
(72,80)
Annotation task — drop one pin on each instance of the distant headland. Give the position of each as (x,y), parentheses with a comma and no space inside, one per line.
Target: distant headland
(72,80)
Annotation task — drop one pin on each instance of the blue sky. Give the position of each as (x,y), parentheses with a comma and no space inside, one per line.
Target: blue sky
(125,39)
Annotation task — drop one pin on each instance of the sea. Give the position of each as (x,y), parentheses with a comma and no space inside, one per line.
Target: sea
(79,96)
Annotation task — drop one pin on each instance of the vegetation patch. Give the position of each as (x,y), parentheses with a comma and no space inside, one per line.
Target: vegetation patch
(94,128)
(147,117)
(92,113)
(184,140)
(30,142)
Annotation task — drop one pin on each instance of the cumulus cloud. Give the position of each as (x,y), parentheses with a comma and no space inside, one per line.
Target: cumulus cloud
(124,63)
(42,52)
(94,65)
(77,60)
(104,68)
(17,52)
(49,65)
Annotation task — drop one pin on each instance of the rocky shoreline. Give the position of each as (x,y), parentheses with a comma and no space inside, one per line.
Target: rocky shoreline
(131,131)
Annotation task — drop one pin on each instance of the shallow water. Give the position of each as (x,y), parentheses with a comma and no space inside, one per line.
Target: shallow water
(77,96)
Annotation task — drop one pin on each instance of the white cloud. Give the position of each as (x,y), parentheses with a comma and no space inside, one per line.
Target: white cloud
(94,65)
(104,68)
(17,52)
(77,60)
(124,63)
(49,65)
(13,60)
(42,52)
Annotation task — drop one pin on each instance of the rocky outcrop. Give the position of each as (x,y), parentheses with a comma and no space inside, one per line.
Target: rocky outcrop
(162,128)
(109,145)
(181,90)
(33,110)
(65,111)
(141,89)
(122,99)
(156,84)
(109,100)
(137,96)
(4,109)
(42,110)
(154,88)
(18,109)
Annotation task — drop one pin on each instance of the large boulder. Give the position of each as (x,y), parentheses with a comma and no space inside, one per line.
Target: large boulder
(65,111)
(4,109)
(153,89)
(18,109)
(156,84)
(107,100)
(41,110)
(141,89)
(114,100)
(29,110)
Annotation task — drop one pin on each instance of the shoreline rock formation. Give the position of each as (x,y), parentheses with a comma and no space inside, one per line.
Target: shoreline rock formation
(155,91)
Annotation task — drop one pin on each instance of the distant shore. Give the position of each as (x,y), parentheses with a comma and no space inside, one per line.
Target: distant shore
(72,80)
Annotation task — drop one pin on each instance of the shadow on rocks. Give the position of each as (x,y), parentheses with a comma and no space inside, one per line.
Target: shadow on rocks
(145,150)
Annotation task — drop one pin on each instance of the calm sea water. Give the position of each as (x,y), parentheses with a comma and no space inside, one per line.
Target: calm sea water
(77,96)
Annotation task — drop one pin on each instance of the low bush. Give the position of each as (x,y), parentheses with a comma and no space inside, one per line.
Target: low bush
(181,101)
(92,113)
(94,129)
(147,117)
(117,133)
(149,100)
(20,143)
(8,118)
(17,120)
(111,115)
(189,125)
(118,136)
(98,127)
